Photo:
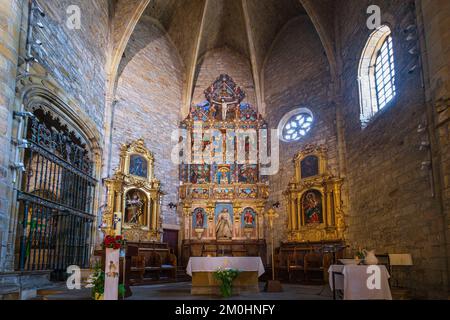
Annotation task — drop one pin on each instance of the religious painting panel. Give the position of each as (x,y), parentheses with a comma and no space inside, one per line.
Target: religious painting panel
(224,221)
(138,166)
(309,167)
(312,207)
(136,204)
(249,218)
(248,173)
(199,219)
(223,174)
(199,173)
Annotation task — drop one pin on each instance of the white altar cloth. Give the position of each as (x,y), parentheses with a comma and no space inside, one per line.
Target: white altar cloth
(354,280)
(212,264)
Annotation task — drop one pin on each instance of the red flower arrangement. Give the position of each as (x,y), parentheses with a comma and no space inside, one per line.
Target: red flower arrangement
(113,242)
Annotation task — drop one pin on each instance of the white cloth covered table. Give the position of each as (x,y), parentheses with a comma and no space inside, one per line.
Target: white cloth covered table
(354,282)
(211,264)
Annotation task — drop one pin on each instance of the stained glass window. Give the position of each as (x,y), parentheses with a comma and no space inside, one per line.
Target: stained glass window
(297,126)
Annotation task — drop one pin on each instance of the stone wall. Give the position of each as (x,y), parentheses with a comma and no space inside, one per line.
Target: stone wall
(391,207)
(220,61)
(296,75)
(77,58)
(10,19)
(435,29)
(149,96)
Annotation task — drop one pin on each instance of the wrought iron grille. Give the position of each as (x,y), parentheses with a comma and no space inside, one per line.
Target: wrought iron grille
(56,200)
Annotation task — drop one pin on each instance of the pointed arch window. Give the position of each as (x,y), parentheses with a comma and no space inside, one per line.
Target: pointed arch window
(376,74)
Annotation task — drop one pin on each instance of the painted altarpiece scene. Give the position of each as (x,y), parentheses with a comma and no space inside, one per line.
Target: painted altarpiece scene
(224,187)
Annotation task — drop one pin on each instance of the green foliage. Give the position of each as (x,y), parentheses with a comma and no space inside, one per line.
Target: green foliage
(97,280)
(122,291)
(226,277)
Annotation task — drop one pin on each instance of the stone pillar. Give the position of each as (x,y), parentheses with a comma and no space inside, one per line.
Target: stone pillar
(10,20)
(435,35)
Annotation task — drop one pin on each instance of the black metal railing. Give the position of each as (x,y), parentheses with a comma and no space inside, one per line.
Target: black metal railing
(56,202)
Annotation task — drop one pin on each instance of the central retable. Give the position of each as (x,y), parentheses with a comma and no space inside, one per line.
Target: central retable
(202,269)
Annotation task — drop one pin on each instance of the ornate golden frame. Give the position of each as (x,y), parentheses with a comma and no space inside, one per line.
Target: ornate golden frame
(120,184)
(329,186)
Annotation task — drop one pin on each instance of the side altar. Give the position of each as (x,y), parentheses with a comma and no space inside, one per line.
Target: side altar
(133,211)
(222,192)
(316,221)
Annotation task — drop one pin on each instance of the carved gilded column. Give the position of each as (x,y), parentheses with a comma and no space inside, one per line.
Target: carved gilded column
(298,212)
(154,213)
(187,220)
(329,206)
(260,222)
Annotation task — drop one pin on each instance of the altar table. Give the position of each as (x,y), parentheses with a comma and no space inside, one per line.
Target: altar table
(202,269)
(352,279)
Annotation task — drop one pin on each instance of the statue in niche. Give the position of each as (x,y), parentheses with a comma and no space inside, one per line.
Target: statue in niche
(249,218)
(224,175)
(312,206)
(134,208)
(223,226)
(199,218)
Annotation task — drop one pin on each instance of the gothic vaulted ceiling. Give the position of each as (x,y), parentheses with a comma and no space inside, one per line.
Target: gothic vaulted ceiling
(246,26)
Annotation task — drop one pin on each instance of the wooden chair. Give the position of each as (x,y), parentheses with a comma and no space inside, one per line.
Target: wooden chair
(137,268)
(281,263)
(313,262)
(170,266)
(153,264)
(295,263)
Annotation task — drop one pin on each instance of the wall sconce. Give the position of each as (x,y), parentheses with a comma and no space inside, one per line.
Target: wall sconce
(424,145)
(421,128)
(172,206)
(425,165)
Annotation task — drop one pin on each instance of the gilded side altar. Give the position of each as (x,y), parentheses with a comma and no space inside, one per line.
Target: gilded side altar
(314,199)
(133,203)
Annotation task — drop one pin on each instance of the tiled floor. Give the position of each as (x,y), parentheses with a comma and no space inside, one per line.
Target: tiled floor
(181,291)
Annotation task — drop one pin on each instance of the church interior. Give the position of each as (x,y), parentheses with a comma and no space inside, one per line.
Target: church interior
(169,143)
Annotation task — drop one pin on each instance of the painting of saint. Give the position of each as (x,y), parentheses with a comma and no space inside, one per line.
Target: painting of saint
(249,218)
(309,167)
(138,166)
(224,229)
(199,218)
(312,207)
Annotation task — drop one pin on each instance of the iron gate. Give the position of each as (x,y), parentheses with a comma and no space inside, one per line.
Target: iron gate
(56,200)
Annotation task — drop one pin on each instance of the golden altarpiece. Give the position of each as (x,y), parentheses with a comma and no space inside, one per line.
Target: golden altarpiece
(223,199)
(133,193)
(313,196)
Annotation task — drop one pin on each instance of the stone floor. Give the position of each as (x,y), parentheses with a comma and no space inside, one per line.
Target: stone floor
(181,291)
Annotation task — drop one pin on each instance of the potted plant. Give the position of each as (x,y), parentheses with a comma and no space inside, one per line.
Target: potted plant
(226,277)
(96,281)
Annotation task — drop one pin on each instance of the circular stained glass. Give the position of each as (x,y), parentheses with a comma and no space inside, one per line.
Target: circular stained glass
(297,126)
